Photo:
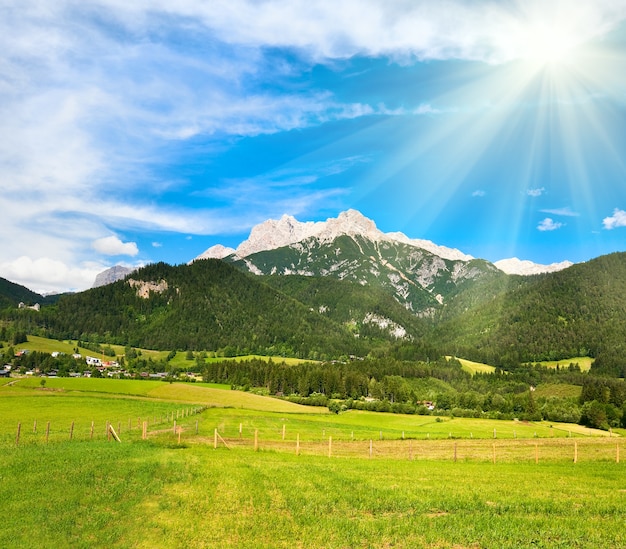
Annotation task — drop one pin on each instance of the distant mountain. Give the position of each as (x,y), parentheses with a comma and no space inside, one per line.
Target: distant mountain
(273,234)
(418,274)
(111,275)
(526,268)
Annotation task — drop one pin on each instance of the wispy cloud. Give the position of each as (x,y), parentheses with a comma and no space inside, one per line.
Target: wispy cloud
(535,192)
(479,193)
(618,219)
(549,225)
(567,212)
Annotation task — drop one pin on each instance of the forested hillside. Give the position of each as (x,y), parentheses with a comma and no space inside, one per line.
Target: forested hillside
(580,311)
(493,318)
(204,305)
(370,312)
(12,294)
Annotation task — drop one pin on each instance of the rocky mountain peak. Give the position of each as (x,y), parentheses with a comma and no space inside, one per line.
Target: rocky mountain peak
(216,252)
(276,233)
(272,234)
(350,222)
(111,275)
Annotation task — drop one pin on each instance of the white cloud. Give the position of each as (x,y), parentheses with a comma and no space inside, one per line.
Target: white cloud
(549,225)
(618,219)
(46,275)
(479,193)
(535,192)
(330,29)
(112,245)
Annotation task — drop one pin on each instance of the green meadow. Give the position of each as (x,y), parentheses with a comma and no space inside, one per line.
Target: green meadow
(475,367)
(314,479)
(180,360)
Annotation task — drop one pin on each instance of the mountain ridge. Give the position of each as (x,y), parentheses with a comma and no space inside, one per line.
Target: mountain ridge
(273,234)
(287,230)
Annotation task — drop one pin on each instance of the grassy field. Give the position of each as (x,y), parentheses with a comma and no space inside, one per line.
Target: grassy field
(474,367)
(180,360)
(560,390)
(148,495)
(584,362)
(409,491)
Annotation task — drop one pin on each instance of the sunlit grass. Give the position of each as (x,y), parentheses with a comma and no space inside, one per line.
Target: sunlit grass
(375,490)
(475,367)
(584,362)
(148,495)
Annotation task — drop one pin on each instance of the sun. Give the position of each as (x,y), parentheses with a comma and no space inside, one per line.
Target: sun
(549,47)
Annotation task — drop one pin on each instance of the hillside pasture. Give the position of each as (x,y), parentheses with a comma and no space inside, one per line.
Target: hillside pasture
(204,394)
(474,367)
(180,360)
(583,362)
(559,390)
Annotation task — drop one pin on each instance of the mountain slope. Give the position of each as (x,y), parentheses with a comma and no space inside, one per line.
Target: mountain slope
(417,279)
(580,311)
(368,312)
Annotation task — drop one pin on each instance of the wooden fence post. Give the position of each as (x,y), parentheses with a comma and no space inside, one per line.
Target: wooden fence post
(283,431)
(575,451)
(174,427)
(298,444)
(72,431)
(180,430)
(91,432)
(17,436)
(256,440)
(196,426)
(112,432)
(240,430)
(215,439)
(144,432)
(47,432)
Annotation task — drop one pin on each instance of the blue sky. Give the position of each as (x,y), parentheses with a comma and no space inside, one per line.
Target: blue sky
(133,132)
